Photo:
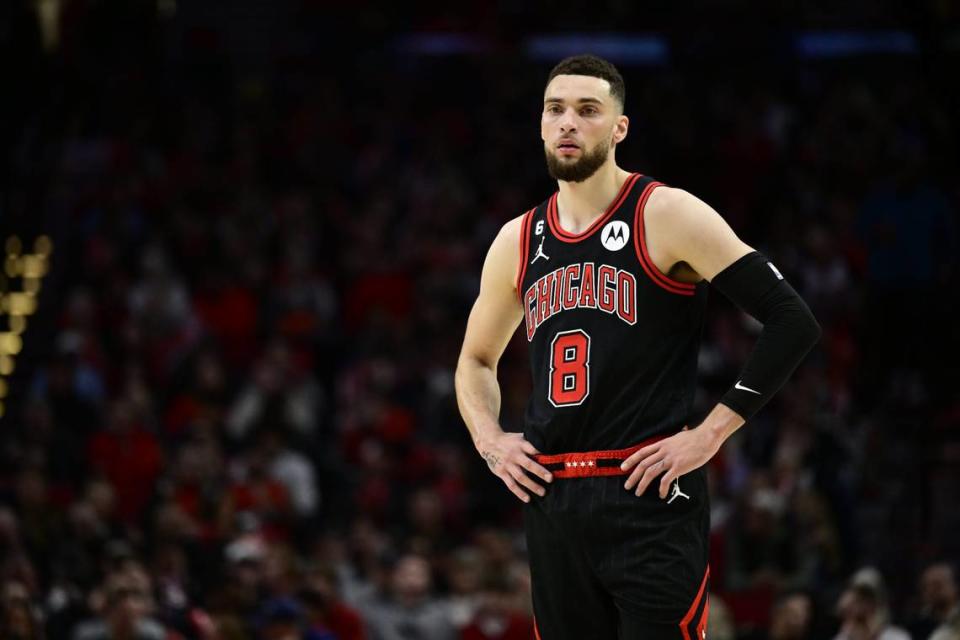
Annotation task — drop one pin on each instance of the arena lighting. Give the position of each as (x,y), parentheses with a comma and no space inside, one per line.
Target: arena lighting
(441,44)
(31,285)
(30,268)
(838,44)
(10,343)
(48,18)
(648,49)
(167,8)
(11,266)
(19,304)
(33,266)
(18,324)
(42,246)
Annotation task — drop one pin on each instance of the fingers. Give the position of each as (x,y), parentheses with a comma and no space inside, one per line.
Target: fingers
(666,480)
(637,456)
(649,474)
(514,464)
(520,483)
(527,482)
(652,463)
(514,487)
(529,448)
(531,465)
(536,469)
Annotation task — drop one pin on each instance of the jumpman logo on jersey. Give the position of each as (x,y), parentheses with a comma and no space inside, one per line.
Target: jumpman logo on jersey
(540,253)
(676,493)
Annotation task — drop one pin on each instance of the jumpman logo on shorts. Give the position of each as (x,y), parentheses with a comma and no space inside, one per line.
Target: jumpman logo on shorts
(540,253)
(676,493)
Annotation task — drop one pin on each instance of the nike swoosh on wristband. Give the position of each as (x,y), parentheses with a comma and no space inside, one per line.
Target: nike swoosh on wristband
(743,388)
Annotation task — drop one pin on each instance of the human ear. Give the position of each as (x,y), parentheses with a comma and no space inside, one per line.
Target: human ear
(620,129)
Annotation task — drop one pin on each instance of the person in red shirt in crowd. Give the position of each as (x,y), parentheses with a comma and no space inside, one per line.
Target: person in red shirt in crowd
(497,618)
(129,457)
(261,495)
(326,613)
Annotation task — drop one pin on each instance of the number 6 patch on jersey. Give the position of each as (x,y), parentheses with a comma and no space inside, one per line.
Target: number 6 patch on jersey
(569,368)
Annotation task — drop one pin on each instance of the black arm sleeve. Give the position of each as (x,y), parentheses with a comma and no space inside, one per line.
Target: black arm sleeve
(789,330)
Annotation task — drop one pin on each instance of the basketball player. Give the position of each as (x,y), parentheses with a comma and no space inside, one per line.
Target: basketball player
(609,276)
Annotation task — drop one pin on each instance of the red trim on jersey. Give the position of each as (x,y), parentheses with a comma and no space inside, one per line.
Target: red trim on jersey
(687,619)
(704,618)
(554,220)
(524,251)
(536,629)
(584,465)
(640,244)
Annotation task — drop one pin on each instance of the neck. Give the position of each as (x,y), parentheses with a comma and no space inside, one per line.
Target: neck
(580,203)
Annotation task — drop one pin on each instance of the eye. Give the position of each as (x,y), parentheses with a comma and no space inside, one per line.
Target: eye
(588,111)
(553,108)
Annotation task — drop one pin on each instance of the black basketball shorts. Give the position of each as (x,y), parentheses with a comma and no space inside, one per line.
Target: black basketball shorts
(606,564)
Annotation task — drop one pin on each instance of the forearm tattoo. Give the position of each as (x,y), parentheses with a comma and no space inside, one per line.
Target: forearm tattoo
(491,458)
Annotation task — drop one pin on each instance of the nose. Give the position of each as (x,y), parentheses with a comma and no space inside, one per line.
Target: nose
(568,122)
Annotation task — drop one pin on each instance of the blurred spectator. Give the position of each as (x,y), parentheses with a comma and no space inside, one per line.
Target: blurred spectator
(281,393)
(949,630)
(464,576)
(327,615)
(792,617)
(256,499)
(125,608)
(863,612)
(409,609)
(19,619)
(939,602)
(720,624)
(497,616)
(761,555)
(202,402)
(282,619)
(129,457)
(292,468)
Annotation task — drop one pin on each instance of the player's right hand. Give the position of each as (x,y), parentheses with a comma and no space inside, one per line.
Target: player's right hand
(508,456)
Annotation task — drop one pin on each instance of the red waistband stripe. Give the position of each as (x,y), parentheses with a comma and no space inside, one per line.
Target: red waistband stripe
(591,463)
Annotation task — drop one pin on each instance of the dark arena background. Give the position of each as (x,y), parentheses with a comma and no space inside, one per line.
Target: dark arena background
(241,239)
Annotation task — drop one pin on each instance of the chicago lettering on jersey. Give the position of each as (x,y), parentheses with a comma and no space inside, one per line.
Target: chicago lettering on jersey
(580,286)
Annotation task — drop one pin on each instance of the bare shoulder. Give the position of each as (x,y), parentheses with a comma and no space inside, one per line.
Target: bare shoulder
(508,239)
(684,228)
(673,206)
(503,258)
(511,230)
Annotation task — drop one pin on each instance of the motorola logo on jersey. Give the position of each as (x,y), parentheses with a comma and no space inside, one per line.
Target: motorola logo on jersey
(615,235)
(581,286)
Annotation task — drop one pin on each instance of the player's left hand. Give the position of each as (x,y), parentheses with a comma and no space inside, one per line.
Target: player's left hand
(669,458)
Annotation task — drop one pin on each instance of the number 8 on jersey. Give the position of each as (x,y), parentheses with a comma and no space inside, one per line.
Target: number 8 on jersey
(569,368)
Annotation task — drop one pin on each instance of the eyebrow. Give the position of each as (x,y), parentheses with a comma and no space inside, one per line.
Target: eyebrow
(581,100)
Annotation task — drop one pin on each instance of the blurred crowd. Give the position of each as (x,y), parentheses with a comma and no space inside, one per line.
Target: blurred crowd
(234,414)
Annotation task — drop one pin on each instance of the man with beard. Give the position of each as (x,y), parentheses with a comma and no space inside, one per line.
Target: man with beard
(610,276)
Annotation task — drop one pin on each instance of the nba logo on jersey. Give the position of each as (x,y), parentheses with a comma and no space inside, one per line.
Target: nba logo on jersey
(615,235)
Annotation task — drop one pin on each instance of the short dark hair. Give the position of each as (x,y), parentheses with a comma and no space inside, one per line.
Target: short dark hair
(591,65)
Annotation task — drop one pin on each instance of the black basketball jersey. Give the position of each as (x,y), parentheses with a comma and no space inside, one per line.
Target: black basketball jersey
(613,341)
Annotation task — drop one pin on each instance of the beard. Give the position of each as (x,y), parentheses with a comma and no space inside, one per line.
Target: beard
(579,170)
